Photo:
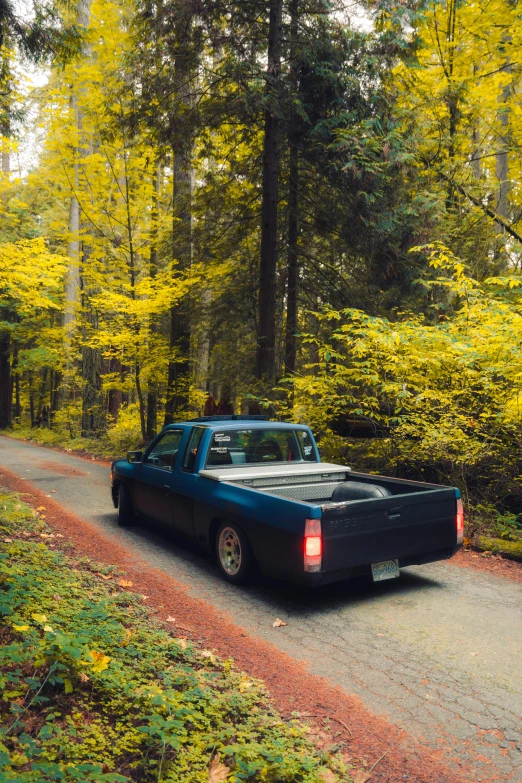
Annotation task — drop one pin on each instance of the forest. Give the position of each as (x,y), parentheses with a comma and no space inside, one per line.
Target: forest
(308,208)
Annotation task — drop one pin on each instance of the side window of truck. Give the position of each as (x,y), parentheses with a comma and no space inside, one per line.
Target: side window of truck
(163,454)
(191,452)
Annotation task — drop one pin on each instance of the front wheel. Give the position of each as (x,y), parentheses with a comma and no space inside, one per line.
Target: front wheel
(126,515)
(233,553)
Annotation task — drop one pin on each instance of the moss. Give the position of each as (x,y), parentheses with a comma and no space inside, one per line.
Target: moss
(92,688)
(510,549)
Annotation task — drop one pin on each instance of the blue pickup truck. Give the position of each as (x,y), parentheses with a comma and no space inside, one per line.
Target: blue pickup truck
(255,493)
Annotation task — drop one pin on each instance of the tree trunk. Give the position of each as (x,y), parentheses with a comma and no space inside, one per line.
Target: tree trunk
(92,404)
(115,395)
(16,377)
(42,393)
(501,159)
(292,263)
(293,211)
(268,261)
(178,381)
(179,369)
(30,380)
(6,381)
(151,425)
(6,384)
(73,271)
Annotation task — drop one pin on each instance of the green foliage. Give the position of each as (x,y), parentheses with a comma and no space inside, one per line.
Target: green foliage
(92,689)
(441,397)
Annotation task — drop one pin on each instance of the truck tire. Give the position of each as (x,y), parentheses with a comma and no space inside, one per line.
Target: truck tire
(233,553)
(126,515)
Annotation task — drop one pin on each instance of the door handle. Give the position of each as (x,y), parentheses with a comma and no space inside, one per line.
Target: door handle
(393,513)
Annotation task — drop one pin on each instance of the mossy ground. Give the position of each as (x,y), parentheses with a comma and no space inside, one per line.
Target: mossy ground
(499,546)
(92,688)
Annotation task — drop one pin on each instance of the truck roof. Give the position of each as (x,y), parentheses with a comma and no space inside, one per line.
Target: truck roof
(239,423)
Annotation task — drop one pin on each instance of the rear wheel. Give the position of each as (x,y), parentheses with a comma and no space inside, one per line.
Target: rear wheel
(233,553)
(126,515)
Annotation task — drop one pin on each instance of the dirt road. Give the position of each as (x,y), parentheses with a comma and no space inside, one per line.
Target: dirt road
(438,652)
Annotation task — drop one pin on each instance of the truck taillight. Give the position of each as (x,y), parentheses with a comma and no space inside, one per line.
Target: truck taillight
(460,521)
(313,545)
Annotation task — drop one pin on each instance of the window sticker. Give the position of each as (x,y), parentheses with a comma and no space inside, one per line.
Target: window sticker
(220,437)
(307,450)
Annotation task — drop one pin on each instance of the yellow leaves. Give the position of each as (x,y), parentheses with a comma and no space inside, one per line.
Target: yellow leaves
(21,627)
(39,618)
(31,276)
(245,684)
(97,661)
(124,583)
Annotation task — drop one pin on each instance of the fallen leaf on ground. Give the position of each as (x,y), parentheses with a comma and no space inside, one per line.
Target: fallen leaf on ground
(169,618)
(41,508)
(8,540)
(104,576)
(57,597)
(39,618)
(328,776)
(127,636)
(278,623)
(98,660)
(84,677)
(360,776)
(473,653)
(48,629)
(209,655)
(217,772)
(182,643)
(124,583)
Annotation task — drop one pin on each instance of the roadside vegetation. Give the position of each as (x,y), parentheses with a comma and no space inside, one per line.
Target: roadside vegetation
(93,689)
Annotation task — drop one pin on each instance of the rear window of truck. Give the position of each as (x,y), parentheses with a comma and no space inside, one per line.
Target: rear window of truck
(260,447)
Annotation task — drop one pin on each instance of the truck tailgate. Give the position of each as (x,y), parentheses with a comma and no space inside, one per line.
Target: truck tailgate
(369,531)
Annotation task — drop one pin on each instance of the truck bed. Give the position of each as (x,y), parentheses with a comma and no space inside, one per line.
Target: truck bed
(414,524)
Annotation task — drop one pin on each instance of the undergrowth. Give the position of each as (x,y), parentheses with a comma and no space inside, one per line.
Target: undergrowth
(93,689)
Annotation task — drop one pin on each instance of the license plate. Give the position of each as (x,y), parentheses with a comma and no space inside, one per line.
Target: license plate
(388,569)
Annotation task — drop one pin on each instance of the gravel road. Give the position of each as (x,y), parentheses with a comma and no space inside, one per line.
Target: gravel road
(437,652)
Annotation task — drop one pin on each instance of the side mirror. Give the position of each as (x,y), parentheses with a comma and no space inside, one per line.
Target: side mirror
(134,456)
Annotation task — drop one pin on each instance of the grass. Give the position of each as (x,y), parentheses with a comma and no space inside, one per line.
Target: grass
(92,688)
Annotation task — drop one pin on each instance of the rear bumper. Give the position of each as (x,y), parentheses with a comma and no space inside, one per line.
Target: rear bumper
(340,575)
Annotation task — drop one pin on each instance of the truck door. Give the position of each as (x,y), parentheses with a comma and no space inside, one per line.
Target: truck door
(184,484)
(153,488)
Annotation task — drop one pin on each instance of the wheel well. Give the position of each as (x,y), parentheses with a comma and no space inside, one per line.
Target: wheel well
(212,533)
(115,491)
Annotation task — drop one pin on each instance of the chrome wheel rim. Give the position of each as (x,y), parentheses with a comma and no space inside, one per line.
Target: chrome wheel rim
(229,549)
